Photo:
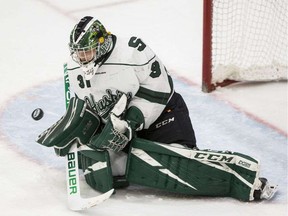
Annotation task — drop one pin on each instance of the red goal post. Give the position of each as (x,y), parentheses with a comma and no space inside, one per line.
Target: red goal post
(244,40)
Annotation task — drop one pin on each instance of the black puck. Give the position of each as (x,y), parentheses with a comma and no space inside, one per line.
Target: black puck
(37,114)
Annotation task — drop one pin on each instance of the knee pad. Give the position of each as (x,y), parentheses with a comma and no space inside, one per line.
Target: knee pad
(101,173)
(97,168)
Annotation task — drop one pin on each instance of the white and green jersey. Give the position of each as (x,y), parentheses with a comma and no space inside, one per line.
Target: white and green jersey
(132,68)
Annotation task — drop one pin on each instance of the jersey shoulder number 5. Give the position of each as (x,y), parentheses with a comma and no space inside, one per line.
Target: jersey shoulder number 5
(137,43)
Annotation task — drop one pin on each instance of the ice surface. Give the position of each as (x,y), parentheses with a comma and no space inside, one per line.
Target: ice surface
(249,118)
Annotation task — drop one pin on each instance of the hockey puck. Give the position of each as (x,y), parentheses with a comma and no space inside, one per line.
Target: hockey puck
(37,114)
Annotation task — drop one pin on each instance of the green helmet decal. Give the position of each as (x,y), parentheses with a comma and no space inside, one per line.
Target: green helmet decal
(89,34)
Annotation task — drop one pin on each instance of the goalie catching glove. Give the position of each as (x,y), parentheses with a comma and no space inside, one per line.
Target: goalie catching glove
(118,130)
(78,123)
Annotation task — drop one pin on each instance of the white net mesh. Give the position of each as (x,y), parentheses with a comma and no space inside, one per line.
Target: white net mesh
(249,40)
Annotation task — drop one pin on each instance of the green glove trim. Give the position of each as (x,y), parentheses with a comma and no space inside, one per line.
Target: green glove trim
(135,118)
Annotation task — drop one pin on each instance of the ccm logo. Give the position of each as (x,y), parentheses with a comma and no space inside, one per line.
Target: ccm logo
(165,122)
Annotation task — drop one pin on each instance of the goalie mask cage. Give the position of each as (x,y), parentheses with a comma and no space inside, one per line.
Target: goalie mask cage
(244,40)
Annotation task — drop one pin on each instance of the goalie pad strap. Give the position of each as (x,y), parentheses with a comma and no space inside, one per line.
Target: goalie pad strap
(187,171)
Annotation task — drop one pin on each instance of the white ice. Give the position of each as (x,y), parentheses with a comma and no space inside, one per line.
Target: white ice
(250,118)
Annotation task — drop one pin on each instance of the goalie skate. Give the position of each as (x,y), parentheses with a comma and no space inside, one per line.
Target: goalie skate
(266,191)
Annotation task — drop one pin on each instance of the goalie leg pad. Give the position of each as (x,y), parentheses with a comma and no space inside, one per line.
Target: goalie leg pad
(194,172)
(97,169)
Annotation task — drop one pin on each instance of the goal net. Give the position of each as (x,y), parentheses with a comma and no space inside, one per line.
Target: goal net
(244,40)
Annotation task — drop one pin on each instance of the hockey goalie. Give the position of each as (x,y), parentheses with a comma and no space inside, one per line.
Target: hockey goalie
(131,127)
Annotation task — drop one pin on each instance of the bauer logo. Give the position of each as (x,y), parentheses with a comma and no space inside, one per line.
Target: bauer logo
(72,173)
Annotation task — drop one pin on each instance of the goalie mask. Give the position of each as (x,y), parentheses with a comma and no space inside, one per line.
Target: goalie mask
(89,42)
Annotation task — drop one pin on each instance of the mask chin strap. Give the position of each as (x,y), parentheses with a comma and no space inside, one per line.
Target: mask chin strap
(90,70)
